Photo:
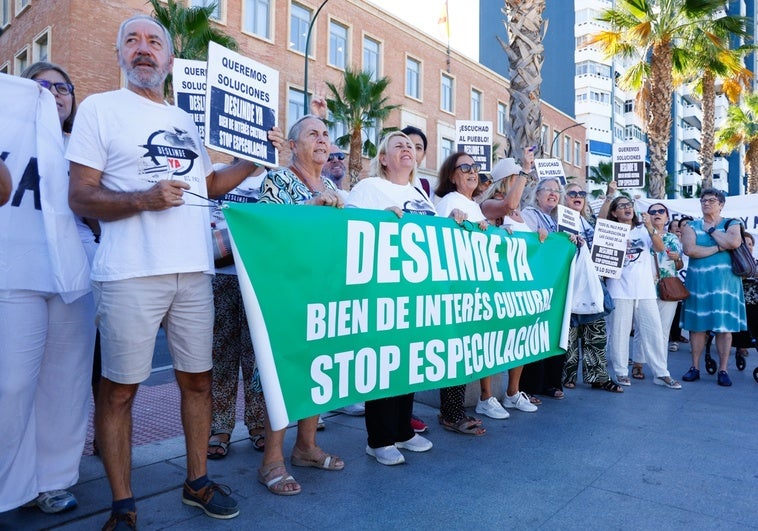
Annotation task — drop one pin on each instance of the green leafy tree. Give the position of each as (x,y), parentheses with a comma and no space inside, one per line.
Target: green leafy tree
(741,129)
(525,29)
(191,30)
(358,103)
(655,34)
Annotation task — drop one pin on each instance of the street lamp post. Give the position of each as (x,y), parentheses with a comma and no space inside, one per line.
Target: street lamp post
(558,135)
(307,47)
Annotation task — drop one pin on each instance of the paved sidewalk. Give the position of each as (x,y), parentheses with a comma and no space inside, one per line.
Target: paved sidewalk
(651,458)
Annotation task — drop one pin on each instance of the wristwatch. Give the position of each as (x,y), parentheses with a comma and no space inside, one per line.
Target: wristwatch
(710,231)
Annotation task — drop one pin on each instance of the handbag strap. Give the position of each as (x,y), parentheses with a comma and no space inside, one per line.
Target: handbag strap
(657,267)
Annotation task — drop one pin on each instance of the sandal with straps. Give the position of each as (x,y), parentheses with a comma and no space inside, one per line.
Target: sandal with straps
(608,385)
(465,426)
(316,458)
(637,373)
(277,480)
(218,449)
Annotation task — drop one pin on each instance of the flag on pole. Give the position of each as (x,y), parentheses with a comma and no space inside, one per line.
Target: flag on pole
(444,21)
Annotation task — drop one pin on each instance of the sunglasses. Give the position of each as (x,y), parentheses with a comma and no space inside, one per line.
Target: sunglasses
(655,211)
(575,193)
(469,168)
(624,206)
(338,156)
(64,89)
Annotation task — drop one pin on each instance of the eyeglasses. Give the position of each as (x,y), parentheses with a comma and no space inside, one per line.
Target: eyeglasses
(624,206)
(338,156)
(64,89)
(708,200)
(575,193)
(655,211)
(469,168)
(551,190)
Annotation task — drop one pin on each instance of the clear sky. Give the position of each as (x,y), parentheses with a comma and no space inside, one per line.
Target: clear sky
(425,15)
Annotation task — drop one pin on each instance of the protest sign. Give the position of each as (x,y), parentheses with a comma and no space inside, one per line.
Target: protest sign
(475,139)
(629,164)
(188,80)
(550,168)
(241,105)
(347,305)
(609,247)
(569,220)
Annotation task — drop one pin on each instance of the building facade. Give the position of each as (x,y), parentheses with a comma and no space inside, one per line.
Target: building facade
(432,87)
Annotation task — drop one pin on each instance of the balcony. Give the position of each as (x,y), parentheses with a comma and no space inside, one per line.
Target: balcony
(692,115)
(720,165)
(691,137)
(689,178)
(690,160)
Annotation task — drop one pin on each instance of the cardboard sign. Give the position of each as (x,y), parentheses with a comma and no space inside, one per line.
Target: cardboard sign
(550,168)
(241,106)
(609,247)
(629,164)
(568,220)
(189,90)
(475,139)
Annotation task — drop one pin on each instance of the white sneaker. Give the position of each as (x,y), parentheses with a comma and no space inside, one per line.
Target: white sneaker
(492,408)
(519,401)
(55,501)
(417,443)
(386,455)
(356,410)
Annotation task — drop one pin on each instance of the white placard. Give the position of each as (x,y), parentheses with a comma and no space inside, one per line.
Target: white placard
(629,164)
(550,168)
(241,106)
(609,247)
(475,139)
(568,220)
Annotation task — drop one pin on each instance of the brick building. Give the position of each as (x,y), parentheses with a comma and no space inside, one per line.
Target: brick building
(432,88)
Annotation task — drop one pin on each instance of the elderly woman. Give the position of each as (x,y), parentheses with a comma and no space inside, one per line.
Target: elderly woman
(635,298)
(393,187)
(716,300)
(544,377)
(500,204)
(300,183)
(590,329)
(458,180)
(669,261)
(47,337)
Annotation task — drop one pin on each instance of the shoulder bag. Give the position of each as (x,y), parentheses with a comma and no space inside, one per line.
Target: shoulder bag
(743,263)
(669,288)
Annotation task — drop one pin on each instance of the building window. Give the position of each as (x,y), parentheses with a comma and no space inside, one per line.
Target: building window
(412,78)
(593,69)
(628,106)
(5,13)
(41,49)
(5,68)
(544,137)
(555,145)
(447,148)
(446,93)
(295,107)
(300,19)
(21,61)
(567,148)
(371,50)
(336,129)
(337,45)
(370,132)
(476,105)
(577,153)
(257,18)
(217,12)
(20,5)
(502,118)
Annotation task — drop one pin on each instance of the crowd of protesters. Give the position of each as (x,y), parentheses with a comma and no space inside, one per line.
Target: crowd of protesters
(152,265)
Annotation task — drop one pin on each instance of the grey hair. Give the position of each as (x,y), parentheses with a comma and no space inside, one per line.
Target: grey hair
(297,127)
(532,194)
(714,192)
(122,28)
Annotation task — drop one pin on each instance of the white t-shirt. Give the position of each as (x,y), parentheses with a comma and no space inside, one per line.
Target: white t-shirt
(136,142)
(457,200)
(377,193)
(637,275)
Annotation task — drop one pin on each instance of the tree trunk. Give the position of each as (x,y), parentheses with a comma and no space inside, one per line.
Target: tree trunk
(708,129)
(525,27)
(355,160)
(751,165)
(658,109)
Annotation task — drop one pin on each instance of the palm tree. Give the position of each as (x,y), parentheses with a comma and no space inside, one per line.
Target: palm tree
(359,103)
(601,175)
(741,128)
(190,29)
(655,33)
(712,59)
(525,28)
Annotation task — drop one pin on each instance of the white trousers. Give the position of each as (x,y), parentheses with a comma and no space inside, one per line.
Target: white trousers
(667,310)
(46,351)
(644,313)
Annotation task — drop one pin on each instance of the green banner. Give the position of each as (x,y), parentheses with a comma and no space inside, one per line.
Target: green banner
(347,305)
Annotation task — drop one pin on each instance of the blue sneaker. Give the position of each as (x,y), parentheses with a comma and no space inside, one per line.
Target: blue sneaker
(214,499)
(723,379)
(691,375)
(55,501)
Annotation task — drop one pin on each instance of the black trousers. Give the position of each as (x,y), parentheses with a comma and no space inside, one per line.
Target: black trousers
(388,420)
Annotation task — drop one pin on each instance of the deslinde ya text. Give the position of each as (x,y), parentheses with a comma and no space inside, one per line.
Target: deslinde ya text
(433,253)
